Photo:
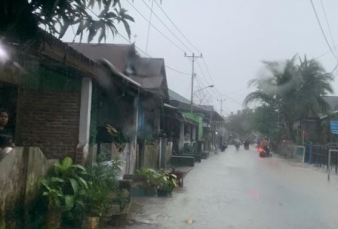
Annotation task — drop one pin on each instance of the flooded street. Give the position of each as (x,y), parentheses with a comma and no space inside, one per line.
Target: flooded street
(240,190)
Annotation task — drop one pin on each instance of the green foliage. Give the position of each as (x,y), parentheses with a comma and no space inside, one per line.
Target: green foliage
(189,148)
(58,17)
(294,88)
(240,123)
(120,197)
(166,181)
(265,120)
(102,183)
(61,187)
(150,174)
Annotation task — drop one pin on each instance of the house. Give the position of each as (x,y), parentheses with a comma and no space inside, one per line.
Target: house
(202,124)
(154,112)
(317,129)
(49,97)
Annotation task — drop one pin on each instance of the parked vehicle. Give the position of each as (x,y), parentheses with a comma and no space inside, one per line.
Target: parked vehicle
(264,151)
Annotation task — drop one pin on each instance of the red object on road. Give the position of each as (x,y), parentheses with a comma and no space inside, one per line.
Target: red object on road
(180,176)
(260,149)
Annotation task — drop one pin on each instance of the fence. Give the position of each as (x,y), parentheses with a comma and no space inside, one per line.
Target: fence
(156,155)
(20,172)
(316,154)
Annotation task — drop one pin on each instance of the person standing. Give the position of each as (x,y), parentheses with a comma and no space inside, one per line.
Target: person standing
(6,136)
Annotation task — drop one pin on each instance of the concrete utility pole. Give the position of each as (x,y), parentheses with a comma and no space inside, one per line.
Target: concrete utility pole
(221,101)
(193,59)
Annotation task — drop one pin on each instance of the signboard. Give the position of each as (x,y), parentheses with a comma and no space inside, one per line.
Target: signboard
(299,153)
(334,127)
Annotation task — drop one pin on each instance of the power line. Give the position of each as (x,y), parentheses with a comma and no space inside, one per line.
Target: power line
(321,28)
(151,14)
(205,63)
(328,25)
(167,26)
(199,66)
(183,73)
(155,27)
(159,6)
(220,94)
(193,58)
(204,93)
(180,72)
(226,96)
(176,27)
(221,101)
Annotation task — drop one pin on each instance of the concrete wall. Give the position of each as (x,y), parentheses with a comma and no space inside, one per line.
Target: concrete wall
(151,156)
(20,172)
(127,153)
(168,152)
(49,120)
(199,119)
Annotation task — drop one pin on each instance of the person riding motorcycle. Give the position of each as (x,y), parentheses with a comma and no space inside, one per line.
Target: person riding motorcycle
(265,144)
(246,143)
(237,143)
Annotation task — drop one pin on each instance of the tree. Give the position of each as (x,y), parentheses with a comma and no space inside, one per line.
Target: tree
(21,19)
(240,123)
(265,120)
(294,90)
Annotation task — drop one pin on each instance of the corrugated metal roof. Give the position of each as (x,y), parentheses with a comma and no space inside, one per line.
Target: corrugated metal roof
(117,54)
(149,72)
(175,96)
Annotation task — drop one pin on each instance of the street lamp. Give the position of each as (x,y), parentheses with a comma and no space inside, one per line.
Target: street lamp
(192,97)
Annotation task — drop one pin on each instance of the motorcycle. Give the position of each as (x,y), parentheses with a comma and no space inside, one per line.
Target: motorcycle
(246,146)
(224,147)
(264,152)
(237,146)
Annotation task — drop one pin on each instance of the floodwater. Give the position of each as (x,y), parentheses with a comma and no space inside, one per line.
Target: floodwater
(239,190)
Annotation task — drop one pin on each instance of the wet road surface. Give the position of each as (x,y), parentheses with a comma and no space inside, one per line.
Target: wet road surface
(237,190)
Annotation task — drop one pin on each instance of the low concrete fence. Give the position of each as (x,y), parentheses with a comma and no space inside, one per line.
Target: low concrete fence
(151,156)
(20,172)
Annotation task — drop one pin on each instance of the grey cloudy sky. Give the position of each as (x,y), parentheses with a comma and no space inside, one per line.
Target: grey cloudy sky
(234,36)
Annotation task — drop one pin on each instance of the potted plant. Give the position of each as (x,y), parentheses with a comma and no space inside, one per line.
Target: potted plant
(165,184)
(60,189)
(151,176)
(102,183)
(96,204)
(120,197)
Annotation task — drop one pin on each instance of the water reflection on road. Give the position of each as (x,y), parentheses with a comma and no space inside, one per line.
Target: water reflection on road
(240,190)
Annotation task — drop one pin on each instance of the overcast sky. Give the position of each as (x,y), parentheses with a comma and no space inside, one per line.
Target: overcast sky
(234,37)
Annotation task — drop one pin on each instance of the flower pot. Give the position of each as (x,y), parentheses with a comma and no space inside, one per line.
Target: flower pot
(162,192)
(93,222)
(150,191)
(53,219)
(138,192)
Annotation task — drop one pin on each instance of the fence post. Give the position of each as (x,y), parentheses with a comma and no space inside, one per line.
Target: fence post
(310,153)
(329,162)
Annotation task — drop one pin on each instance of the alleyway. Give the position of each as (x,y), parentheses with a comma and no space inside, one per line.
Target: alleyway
(240,190)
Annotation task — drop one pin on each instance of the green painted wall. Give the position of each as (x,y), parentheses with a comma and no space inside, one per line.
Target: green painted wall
(199,119)
(41,78)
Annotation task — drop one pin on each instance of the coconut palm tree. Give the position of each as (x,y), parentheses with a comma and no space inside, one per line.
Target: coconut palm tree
(294,89)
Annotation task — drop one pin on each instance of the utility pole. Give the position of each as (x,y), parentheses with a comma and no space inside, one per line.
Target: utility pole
(193,58)
(221,101)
